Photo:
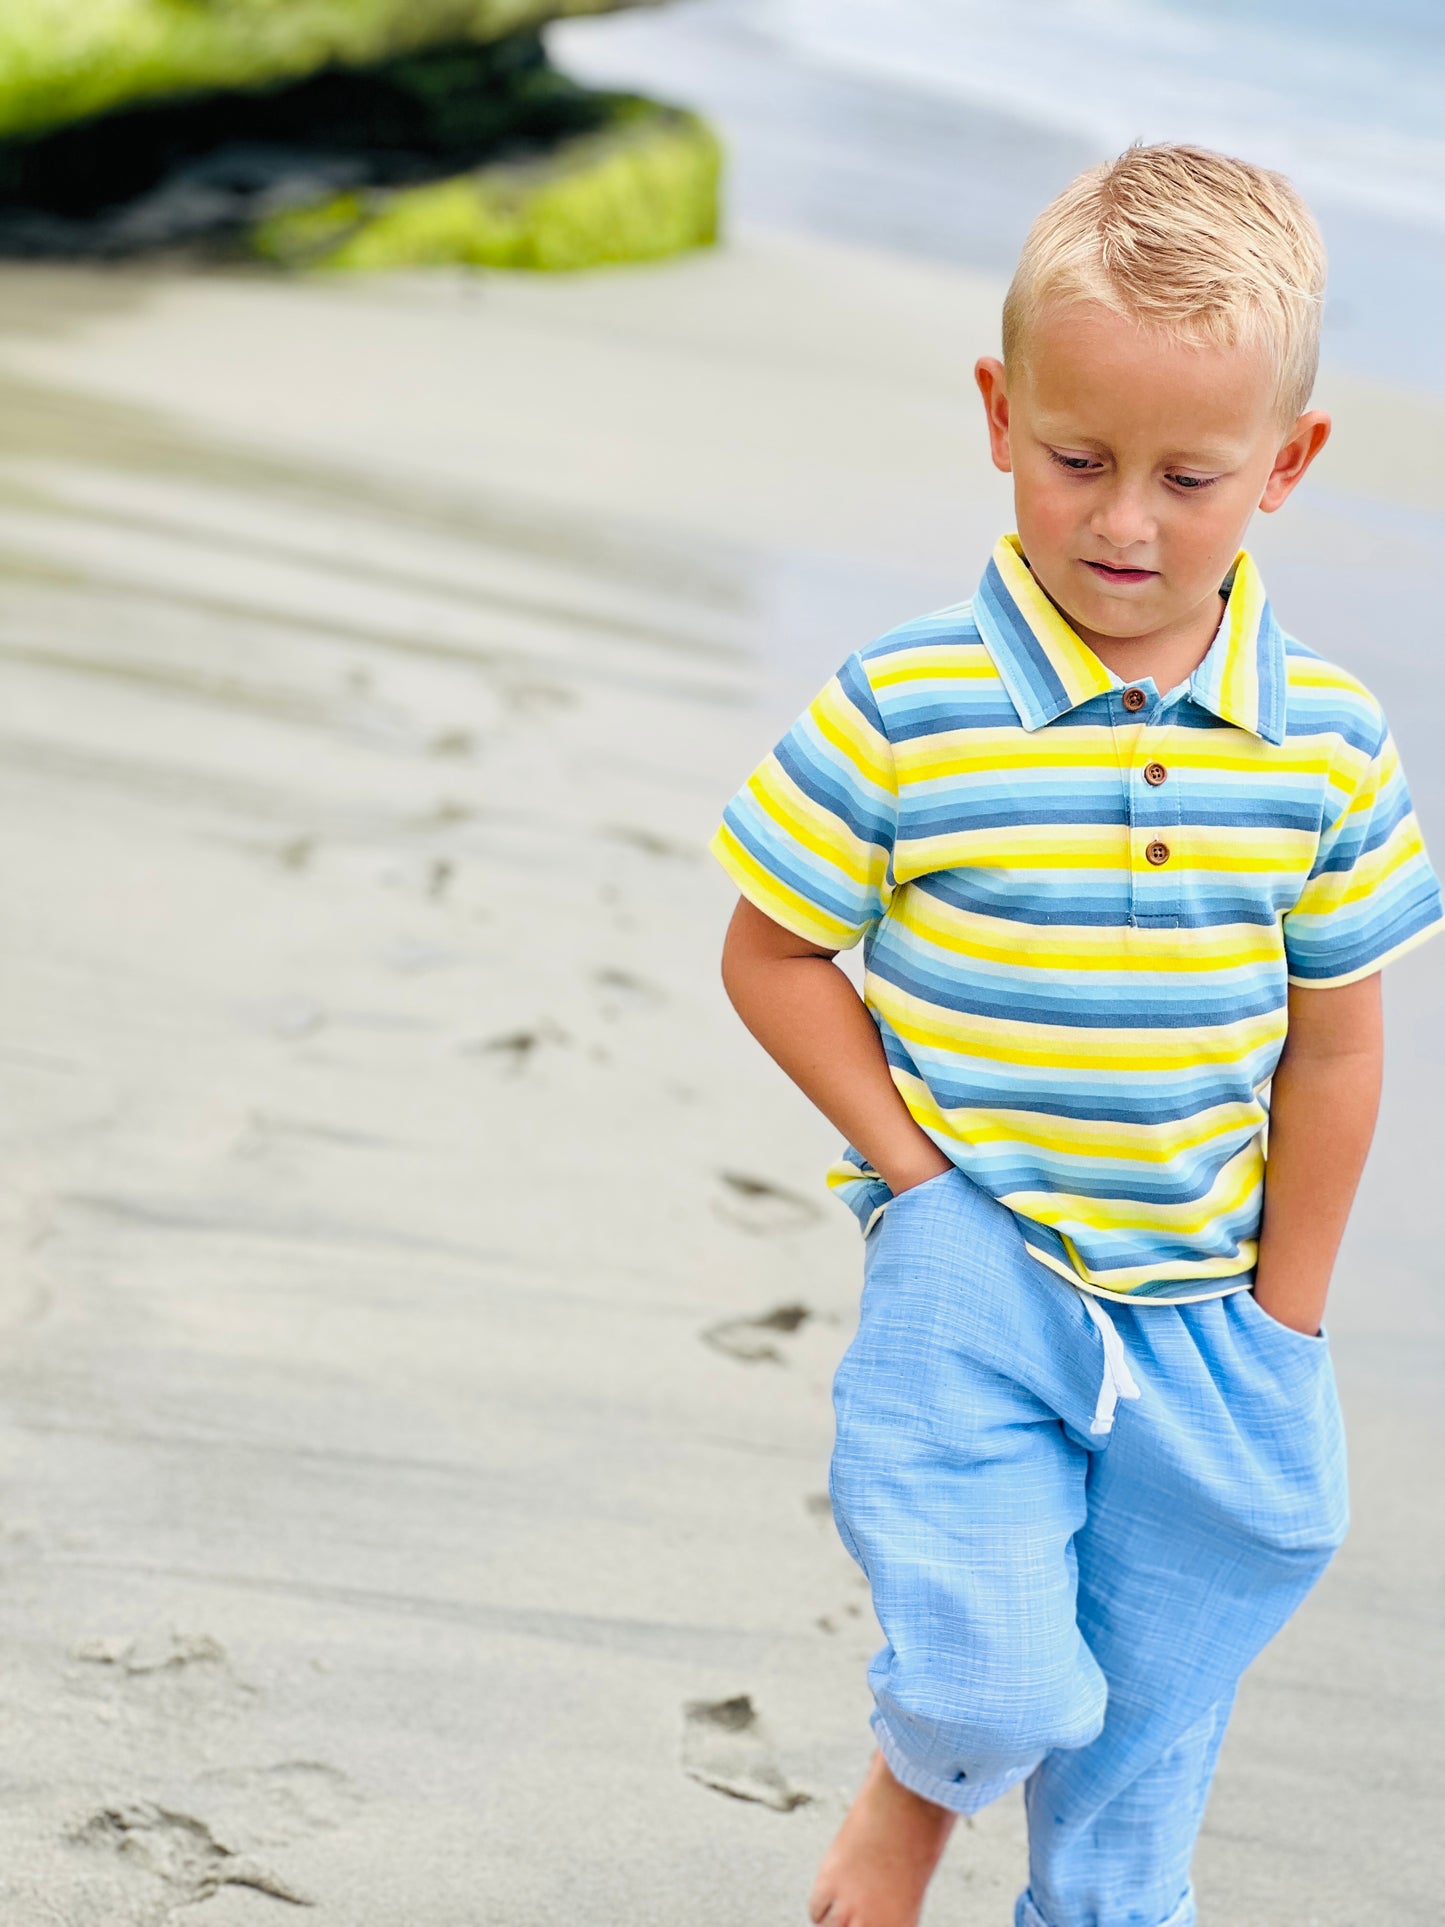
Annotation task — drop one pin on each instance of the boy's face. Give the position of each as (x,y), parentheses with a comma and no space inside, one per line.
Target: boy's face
(1137,464)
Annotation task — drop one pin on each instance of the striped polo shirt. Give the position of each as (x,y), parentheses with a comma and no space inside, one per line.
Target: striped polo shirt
(1082,903)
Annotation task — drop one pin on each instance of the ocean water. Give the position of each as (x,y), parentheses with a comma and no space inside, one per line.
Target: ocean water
(1349,100)
(940,126)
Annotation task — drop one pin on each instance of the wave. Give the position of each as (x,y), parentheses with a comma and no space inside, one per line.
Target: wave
(1349,101)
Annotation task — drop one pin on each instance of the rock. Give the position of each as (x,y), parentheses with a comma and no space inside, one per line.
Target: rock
(644,186)
(69,60)
(334,133)
(172,172)
(480,154)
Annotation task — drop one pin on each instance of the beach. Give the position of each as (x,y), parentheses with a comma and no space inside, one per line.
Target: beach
(422,1297)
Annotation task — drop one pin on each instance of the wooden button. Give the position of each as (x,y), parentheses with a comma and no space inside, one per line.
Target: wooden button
(1157,853)
(1134,699)
(1155,773)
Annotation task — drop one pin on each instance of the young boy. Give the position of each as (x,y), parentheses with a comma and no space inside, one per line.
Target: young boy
(1127,859)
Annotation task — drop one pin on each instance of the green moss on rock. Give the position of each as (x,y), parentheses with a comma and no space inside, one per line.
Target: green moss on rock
(645,187)
(66,60)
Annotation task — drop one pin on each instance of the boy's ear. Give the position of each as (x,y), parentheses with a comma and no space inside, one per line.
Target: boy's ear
(1296,452)
(988,372)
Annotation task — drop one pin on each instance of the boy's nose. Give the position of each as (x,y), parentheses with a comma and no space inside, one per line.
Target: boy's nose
(1123,521)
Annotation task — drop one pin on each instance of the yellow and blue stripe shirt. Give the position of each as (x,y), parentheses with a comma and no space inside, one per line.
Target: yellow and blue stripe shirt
(1083,901)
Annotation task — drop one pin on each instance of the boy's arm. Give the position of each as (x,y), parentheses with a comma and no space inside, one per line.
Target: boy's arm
(811,1021)
(1321,1118)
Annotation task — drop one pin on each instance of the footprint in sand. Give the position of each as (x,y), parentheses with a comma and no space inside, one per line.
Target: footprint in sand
(760,1206)
(452,742)
(748,1338)
(180,1851)
(275,1805)
(169,1673)
(297,853)
(165,1653)
(651,844)
(725,1746)
(417,874)
(446,813)
(514,1050)
(837,1622)
(624,994)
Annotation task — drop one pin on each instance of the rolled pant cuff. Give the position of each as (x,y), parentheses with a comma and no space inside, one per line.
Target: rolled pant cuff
(1026,1914)
(958,1796)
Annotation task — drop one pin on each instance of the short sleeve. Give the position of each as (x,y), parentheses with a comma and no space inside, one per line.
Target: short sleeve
(1371,894)
(809,836)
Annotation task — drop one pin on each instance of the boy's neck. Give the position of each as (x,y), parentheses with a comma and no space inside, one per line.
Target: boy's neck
(1170,656)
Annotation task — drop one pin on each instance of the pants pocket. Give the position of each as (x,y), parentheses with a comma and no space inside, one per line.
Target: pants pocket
(1286,1409)
(1285,1335)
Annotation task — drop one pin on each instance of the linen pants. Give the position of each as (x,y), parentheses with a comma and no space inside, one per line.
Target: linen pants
(1080,1524)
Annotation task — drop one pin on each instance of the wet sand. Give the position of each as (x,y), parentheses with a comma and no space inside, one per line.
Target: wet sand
(420,1298)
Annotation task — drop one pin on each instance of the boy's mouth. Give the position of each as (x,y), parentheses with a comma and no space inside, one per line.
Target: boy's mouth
(1108,573)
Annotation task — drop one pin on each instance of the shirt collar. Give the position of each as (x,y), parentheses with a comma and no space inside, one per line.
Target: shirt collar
(1048,670)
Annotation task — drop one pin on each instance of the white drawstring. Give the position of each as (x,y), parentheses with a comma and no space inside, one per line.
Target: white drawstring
(1118,1381)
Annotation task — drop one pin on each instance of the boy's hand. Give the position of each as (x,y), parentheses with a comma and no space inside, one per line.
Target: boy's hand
(1321,1118)
(808,1017)
(918,1171)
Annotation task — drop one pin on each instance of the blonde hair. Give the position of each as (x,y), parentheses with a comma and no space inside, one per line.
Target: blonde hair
(1191,243)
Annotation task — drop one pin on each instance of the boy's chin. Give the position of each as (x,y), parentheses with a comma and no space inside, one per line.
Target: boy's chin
(1087,600)
(1120,614)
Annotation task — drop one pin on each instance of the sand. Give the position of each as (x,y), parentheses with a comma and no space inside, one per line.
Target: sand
(420,1297)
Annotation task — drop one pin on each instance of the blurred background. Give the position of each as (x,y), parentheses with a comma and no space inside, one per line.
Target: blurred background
(940,127)
(441,447)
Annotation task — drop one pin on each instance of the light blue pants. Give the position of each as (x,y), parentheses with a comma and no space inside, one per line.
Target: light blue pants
(1080,1524)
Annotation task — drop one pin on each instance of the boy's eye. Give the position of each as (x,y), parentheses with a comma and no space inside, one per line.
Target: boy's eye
(1076,464)
(1192,482)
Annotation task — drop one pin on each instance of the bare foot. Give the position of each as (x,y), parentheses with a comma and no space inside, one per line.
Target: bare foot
(878,1868)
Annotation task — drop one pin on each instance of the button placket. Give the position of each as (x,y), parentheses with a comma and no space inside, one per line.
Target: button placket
(1131,702)
(1156,823)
